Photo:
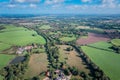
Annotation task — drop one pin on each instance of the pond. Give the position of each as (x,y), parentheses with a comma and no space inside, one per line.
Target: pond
(17,59)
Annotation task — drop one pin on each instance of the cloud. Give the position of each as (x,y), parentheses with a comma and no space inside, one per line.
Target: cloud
(11,5)
(109,3)
(33,5)
(86,1)
(25,1)
(53,1)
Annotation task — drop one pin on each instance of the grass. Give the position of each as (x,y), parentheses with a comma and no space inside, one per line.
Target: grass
(102,45)
(5,59)
(4,46)
(109,62)
(45,27)
(66,39)
(72,58)
(116,42)
(37,64)
(20,36)
(1,78)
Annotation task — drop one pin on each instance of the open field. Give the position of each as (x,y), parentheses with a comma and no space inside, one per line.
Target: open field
(1,78)
(68,38)
(5,59)
(73,58)
(92,38)
(20,36)
(4,46)
(45,27)
(37,64)
(108,61)
(116,42)
(102,45)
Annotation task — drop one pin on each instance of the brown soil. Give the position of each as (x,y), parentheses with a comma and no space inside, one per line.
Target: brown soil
(92,38)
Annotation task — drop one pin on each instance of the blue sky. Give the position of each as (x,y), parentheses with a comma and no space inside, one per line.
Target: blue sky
(60,6)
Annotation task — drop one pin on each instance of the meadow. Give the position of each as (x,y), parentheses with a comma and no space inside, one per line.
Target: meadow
(37,64)
(19,36)
(116,42)
(5,59)
(66,39)
(108,61)
(72,58)
(45,27)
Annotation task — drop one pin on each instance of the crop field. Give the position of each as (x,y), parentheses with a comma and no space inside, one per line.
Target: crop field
(37,64)
(20,36)
(92,38)
(108,61)
(4,46)
(5,59)
(68,38)
(73,58)
(45,27)
(116,42)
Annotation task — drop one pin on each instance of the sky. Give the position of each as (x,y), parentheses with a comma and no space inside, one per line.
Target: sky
(59,6)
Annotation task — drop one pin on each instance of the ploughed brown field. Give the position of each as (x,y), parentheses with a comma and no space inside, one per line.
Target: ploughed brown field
(93,38)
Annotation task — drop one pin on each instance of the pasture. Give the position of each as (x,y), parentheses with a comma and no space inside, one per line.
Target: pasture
(108,61)
(4,46)
(37,64)
(1,78)
(5,59)
(116,42)
(72,58)
(19,36)
(45,27)
(66,39)
(92,38)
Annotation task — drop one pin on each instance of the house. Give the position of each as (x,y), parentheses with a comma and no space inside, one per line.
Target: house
(20,51)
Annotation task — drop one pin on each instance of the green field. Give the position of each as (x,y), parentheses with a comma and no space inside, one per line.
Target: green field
(45,27)
(4,46)
(1,78)
(108,61)
(116,42)
(5,59)
(19,36)
(67,38)
(102,45)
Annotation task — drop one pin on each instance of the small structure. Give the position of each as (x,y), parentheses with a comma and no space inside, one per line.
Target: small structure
(20,51)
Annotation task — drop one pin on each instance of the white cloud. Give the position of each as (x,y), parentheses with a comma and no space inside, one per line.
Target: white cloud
(86,0)
(33,5)
(53,1)
(109,3)
(22,1)
(11,5)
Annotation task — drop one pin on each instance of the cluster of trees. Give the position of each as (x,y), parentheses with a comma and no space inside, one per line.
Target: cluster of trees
(15,71)
(116,48)
(2,27)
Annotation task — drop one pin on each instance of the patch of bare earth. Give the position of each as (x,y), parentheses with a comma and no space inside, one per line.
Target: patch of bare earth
(73,58)
(92,38)
(37,64)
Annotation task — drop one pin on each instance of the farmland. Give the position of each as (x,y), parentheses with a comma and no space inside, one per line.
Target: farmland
(5,59)
(37,64)
(20,36)
(45,27)
(116,42)
(92,38)
(72,57)
(108,61)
